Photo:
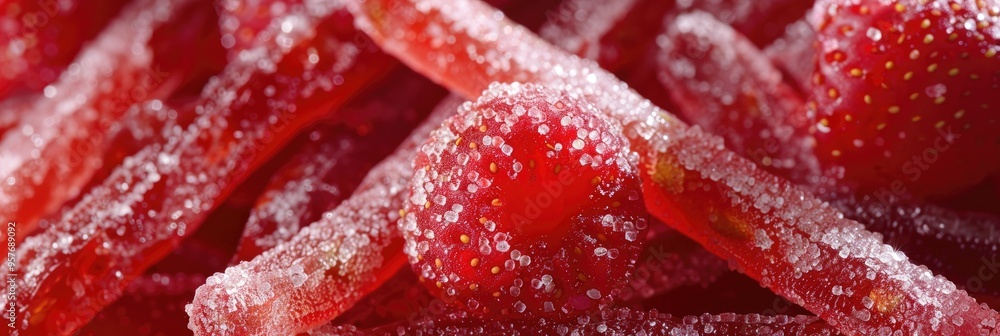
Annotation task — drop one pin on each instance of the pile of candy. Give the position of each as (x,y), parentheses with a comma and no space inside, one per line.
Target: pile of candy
(635,167)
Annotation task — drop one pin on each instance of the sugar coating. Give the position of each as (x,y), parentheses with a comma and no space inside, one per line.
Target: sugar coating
(163,192)
(725,197)
(325,268)
(618,321)
(565,216)
(52,151)
(723,83)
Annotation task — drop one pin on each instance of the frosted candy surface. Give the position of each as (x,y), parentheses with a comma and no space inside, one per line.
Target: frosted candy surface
(795,52)
(521,202)
(579,26)
(609,322)
(329,167)
(128,222)
(785,238)
(723,83)
(50,152)
(325,268)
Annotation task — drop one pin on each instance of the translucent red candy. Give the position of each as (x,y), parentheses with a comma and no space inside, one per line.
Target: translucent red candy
(612,321)
(526,204)
(40,38)
(778,234)
(911,225)
(722,82)
(162,193)
(327,169)
(326,267)
(56,144)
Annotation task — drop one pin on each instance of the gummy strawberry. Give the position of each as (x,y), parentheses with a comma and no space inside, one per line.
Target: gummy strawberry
(904,93)
(526,204)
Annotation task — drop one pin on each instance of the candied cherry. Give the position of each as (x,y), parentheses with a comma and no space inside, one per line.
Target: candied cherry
(525,204)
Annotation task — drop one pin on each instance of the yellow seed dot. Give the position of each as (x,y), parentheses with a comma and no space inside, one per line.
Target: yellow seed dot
(894,109)
(835,153)
(824,122)
(531,163)
(473,287)
(925,23)
(952,37)
(959,114)
(955,6)
(908,75)
(916,119)
(557,169)
(856,72)
(496,294)
(474,262)
(834,93)
(402,213)
(889,65)
(495,269)
(473,145)
(900,8)
(928,38)
(577,250)
(990,53)
(864,10)
(420,257)
(953,72)
(496,202)
(616,204)
(602,237)
(581,276)
(458,141)
(438,263)
(848,117)
(973,76)
(914,96)
(482,220)
(464,238)
(939,124)
(868,99)
(880,126)
(595,181)
(915,54)
(438,284)
(983,24)
(427,205)
(939,100)
(932,67)
(494,168)
(482,128)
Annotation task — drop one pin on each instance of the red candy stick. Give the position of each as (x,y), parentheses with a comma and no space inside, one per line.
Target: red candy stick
(785,238)
(54,148)
(326,267)
(722,82)
(326,171)
(163,192)
(735,109)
